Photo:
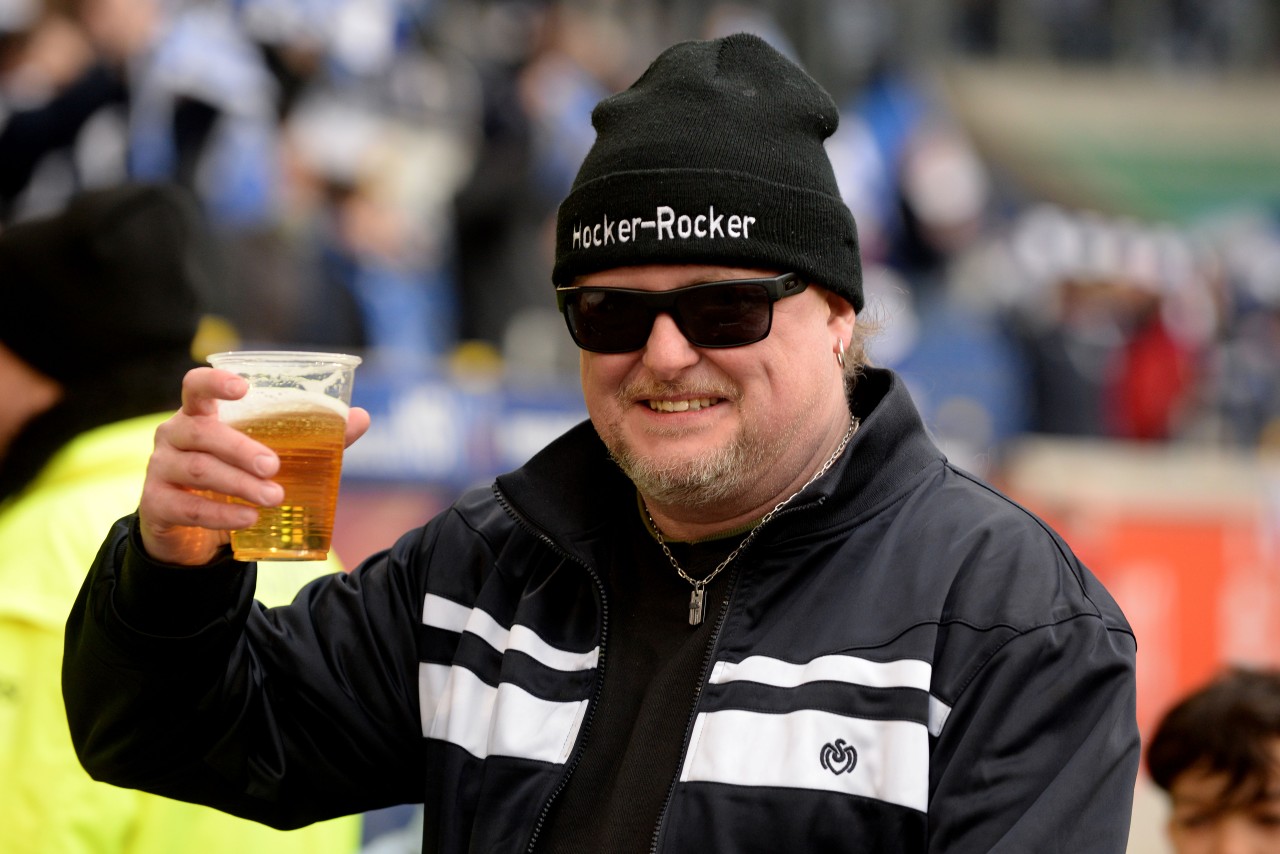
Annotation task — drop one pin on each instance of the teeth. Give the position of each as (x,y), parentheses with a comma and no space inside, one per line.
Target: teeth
(681,405)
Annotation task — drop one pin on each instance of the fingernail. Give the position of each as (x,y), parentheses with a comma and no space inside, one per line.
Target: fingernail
(272,494)
(264,465)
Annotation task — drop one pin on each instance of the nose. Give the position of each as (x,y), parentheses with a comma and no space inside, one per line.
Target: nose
(668,352)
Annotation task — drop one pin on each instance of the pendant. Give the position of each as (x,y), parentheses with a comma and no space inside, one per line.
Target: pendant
(697,604)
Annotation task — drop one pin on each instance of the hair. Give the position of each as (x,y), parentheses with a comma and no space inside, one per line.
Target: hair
(1229,726)
(857,357)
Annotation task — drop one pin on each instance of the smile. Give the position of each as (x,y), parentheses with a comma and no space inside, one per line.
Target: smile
(682,405)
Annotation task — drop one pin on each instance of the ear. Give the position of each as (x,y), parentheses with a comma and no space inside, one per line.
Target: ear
(841,318)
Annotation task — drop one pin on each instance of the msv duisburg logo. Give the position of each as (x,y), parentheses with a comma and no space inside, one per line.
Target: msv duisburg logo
(838,757)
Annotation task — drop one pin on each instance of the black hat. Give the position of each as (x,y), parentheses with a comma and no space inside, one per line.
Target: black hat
(714,156)
(109,281)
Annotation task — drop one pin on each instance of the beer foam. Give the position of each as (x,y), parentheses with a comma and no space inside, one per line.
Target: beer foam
(264,401)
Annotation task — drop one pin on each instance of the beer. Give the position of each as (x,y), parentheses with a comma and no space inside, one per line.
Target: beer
(297,405)
(307,434)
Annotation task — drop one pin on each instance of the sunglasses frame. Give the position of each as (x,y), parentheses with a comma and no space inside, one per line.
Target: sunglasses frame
(659,302)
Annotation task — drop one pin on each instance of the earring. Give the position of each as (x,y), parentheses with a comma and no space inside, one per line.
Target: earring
(840,351)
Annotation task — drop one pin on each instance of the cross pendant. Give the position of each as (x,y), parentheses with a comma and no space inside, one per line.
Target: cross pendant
(697,605)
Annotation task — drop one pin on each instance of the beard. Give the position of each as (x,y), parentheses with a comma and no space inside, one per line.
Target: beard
(724,474)
(711,478)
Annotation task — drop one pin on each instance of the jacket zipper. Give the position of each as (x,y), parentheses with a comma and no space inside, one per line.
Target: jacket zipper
(572,765)
(702,680)
(707,658)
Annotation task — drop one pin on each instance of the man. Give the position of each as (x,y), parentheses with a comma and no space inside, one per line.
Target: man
(1217,754)
(98,315)
(739,610)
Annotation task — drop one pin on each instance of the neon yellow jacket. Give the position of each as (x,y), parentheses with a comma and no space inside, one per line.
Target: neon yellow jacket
(49,535)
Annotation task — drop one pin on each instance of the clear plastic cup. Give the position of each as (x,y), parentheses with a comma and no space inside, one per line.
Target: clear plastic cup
(297,405)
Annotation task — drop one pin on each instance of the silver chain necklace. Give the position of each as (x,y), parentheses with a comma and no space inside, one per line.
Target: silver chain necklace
(697,599)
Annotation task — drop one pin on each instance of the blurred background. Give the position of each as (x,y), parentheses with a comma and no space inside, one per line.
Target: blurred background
(1069,213)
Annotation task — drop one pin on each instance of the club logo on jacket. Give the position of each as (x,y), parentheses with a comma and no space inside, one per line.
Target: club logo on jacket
(838,757)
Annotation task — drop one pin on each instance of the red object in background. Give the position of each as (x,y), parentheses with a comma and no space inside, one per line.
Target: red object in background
(1185,537)
(1150,384)
(1199,593)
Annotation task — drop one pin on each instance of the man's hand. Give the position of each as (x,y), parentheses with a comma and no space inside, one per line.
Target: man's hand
(197,462)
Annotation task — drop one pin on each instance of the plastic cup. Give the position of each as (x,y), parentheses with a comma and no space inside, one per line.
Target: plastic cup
(297,405)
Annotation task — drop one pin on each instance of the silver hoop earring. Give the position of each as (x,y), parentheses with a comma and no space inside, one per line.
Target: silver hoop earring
(840,351)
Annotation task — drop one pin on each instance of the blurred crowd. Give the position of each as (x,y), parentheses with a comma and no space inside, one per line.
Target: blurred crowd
(382,175)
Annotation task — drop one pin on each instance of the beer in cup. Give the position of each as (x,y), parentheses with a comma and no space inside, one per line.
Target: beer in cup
(297,405)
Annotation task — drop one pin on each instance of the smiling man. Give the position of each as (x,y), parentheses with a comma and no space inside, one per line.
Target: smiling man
(748,606)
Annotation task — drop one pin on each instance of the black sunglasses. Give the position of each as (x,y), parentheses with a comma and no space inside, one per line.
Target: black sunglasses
(714,314)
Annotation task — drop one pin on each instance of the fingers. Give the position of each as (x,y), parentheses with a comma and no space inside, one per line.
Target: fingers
(201,454)
(187,508)
(202,388)
(357,424)
(196,451)
(198,468)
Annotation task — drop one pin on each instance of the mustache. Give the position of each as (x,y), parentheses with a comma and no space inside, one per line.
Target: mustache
(648,389)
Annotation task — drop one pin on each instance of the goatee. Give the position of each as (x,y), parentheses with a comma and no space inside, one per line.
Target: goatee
(711,478)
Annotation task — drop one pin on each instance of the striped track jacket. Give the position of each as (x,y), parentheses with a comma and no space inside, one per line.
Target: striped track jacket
(907,661)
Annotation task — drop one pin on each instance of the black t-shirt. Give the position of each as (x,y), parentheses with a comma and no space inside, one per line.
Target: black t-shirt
(653,660)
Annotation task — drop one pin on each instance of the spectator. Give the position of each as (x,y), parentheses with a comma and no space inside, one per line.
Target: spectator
(100,311)
(1217,755)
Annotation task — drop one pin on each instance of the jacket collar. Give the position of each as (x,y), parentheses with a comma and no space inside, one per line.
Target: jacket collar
(890,451)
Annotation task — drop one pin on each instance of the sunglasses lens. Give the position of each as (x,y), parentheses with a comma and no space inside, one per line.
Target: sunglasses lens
(607,322)
(721,314)
(727,315)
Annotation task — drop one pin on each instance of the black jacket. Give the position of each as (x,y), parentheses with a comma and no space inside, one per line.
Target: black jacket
(908,661)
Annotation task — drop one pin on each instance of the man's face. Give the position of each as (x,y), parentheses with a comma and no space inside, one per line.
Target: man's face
(1201,823)
(706,428)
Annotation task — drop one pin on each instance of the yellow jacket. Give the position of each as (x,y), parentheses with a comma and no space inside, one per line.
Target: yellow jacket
(49,534)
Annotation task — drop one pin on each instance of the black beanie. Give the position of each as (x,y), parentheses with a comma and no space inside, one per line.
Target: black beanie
(108,282)
(714,156)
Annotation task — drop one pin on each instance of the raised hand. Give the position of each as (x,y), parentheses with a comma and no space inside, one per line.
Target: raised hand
(198,464)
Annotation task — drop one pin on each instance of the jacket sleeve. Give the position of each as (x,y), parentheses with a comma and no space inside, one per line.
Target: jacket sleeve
(177,682)
(1040,751)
